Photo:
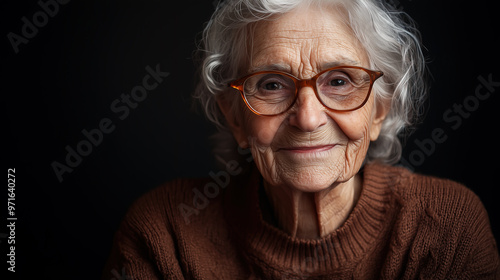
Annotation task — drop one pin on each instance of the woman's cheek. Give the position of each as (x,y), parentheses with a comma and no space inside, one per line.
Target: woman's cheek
(262,130)
(355,125)
(265,136)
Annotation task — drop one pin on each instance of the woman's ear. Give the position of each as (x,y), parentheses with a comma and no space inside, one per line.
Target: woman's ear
(234,120)
(381,111)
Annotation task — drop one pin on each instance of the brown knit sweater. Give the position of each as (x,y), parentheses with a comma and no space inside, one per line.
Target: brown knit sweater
(404,226)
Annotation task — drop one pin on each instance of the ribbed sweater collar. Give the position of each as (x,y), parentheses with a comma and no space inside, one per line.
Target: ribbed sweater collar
(272,249)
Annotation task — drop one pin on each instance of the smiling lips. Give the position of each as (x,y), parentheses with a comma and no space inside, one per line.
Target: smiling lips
(309,149)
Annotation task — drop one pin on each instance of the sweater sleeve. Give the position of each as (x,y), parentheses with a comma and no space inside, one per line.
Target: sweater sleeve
(483,261)
(452,234)
(143,246)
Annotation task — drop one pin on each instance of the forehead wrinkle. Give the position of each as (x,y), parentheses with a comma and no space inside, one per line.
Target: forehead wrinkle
(294,34)
(303,50)
(274,57)
(305,47)
(302,60)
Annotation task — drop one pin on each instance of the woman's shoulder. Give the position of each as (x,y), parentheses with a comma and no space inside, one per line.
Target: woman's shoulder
(442,194)
(179,198)
(446,202)
(426,189)
(176,218)
(440,220)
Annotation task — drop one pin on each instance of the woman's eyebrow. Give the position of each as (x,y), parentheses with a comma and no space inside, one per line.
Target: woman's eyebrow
(286,68)
(340,62)
(271,67)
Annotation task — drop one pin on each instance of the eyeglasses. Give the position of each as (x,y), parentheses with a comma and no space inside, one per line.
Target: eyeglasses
(342,88)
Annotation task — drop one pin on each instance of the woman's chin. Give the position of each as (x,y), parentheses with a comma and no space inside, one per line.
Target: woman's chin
(311,181)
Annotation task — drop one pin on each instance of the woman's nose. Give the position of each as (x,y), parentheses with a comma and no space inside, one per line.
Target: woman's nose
(308,113)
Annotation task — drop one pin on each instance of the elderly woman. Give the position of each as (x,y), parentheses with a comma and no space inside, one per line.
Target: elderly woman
(318,91)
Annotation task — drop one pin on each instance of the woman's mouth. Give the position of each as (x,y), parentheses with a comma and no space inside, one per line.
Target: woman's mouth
(308,149)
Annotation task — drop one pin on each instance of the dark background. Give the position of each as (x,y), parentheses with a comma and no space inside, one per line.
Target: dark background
(90,52)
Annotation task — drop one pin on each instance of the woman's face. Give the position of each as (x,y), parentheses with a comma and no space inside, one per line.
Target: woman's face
(308,148)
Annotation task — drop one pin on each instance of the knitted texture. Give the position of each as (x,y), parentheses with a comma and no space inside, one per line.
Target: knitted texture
(404,226)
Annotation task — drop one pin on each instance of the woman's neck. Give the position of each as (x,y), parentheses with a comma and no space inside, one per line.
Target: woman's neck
(313,215)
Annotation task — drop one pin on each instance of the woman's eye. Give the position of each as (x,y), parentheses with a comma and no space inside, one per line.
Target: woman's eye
(338,82)
(273,86)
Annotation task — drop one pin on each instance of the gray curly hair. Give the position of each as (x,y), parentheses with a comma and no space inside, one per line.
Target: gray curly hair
(389,37)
